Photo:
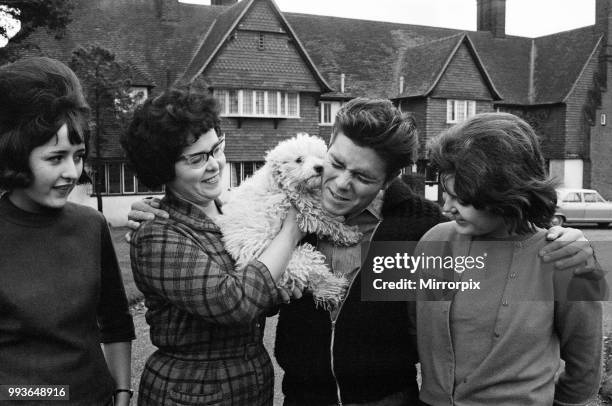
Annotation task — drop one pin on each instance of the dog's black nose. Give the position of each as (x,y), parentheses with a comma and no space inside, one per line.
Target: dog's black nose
(318,169)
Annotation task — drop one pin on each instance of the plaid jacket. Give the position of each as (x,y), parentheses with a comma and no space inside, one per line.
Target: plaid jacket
(206,318)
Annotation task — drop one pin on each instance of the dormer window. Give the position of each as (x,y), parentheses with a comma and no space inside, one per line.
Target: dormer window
(459,110)
(258,103)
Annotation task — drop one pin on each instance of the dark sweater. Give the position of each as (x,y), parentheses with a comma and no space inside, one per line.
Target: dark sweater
(61,295)
(375,344)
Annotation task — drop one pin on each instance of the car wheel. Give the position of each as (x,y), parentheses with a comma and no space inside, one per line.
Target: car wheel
(557,220)
(603,225)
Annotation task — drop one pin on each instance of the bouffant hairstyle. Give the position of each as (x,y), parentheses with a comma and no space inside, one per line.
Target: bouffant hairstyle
(379,125)
(37,97)
(163,126)
(497,164)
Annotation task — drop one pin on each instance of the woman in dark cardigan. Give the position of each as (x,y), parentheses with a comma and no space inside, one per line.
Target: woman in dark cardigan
(61,294)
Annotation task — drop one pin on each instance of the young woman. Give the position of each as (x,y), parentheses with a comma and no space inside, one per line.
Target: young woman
(207,318)
(499,341)
(61,293)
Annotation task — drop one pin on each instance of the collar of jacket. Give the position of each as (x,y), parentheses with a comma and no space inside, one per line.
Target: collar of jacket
(188,213)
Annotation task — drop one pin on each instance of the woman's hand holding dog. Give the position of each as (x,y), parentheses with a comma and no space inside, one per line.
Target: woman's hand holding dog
(290,227)
(276,256)
(291,233)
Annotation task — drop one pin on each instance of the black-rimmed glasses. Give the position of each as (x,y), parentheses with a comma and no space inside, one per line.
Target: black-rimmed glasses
(198,160)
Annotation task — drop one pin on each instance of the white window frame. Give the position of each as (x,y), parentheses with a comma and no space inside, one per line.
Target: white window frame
(334,107)
(236,180)
(282,103)
(122,176)
(108,183)
(134,182)
(326,105)
(467,108)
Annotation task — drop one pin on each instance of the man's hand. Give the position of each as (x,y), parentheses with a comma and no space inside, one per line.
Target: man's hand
(142,210)
(568,248)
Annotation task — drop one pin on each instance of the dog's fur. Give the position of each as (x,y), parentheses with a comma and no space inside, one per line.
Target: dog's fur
(255,211)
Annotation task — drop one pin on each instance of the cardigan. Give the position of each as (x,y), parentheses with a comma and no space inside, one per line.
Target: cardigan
(207,319)
(534,320)
(374,349)
(61,296)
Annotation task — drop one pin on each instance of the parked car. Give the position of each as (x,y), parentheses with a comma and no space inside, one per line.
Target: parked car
(582,206)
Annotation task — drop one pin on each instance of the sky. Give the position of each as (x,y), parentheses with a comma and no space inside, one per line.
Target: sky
(527,18)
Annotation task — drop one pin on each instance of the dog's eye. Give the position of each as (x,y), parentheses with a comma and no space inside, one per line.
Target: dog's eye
(299,160)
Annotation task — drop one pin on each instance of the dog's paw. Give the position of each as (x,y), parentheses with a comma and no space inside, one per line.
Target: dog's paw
(328,289)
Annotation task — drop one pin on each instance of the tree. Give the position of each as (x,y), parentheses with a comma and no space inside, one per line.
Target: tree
(31,15)
(106,83)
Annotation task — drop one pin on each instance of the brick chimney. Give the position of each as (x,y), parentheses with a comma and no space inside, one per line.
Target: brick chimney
(223,2)
(603,23)
(168,10)
(492,17)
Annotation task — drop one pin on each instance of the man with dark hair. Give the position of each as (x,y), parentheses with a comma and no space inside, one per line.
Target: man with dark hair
(363,352)
(360,352)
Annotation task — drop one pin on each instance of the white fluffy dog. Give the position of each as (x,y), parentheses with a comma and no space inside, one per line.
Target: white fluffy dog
(254,214)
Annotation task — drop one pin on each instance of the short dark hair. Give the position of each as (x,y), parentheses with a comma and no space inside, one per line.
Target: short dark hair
(37,96)
(163,126)
(379,125)
(498,166)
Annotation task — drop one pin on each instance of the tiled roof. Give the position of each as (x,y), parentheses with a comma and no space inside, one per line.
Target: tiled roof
(507,62)
(374,54)
(559,60)
(422,65)
(222,28)
(371,54)
(367,52)
(139,77)
(214,37)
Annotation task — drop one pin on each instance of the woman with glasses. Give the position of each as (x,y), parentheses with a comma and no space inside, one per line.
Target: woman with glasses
(207,318)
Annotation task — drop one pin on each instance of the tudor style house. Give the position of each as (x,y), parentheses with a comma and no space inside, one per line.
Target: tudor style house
(277,74)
